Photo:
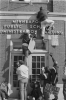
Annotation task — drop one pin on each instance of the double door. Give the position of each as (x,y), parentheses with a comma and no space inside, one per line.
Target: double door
(35,62)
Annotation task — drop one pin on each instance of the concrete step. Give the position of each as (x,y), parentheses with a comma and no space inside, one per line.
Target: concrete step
(12,99)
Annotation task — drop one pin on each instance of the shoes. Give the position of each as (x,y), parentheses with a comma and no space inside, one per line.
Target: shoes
(4,99)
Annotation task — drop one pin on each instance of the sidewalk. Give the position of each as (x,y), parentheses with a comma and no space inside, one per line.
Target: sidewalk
(60,95)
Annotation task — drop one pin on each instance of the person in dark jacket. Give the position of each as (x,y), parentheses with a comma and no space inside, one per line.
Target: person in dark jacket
(36,93)
(48,73)
(42,17)
(54,74)
(44,79)
(25,43)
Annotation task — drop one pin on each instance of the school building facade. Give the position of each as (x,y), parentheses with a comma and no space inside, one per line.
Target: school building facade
(15,17)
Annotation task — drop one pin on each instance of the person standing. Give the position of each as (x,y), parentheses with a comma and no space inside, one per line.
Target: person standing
(43,78)
(22,72)
(43,81)
(54,74)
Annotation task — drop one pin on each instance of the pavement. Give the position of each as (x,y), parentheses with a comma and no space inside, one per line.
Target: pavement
(60,94)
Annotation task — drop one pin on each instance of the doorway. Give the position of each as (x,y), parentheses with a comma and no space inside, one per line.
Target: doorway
(35,62)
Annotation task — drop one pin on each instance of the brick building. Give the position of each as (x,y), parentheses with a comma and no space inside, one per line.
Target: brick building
(15,17)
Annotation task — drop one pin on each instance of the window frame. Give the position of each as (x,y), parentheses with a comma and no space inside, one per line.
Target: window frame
(43,1)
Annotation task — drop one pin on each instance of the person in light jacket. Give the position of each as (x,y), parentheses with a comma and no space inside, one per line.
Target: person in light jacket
(22,72)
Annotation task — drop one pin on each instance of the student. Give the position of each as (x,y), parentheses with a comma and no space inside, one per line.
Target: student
(42,17)
(25,43)
(54,74)
(28,44)
(43,78)
(36,93)
(22,72)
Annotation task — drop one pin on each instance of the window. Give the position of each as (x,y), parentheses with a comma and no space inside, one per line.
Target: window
(37,63)
(50,6)
(45,1)
(21,0)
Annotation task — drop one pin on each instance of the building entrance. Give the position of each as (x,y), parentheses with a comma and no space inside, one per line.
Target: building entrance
(35,62)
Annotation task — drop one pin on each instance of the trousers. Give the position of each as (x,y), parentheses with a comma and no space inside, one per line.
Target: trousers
(23,88)
(45,23)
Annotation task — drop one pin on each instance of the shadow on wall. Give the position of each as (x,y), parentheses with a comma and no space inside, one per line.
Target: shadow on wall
(6,66)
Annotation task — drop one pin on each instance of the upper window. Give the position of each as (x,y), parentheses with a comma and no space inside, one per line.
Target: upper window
(31,0)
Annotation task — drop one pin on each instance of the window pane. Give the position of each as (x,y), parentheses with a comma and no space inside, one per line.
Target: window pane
(42,64)
(38,65)
(15,65)
(20,57)
(42,58)
(38,71)
(14,71)
(33,58)
(15,58)
(38,58)
(33,65)
(33,71)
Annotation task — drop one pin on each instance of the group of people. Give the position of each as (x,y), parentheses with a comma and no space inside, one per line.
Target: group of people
(49,76)
(28,44)
(28,40)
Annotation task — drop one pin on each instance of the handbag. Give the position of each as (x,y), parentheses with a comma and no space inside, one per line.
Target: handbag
(31,45)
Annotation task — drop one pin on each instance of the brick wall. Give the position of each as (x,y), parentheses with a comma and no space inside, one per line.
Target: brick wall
(15,6)
(59,51)
(2,56)
(3,5)
(59,6)
(26,7)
